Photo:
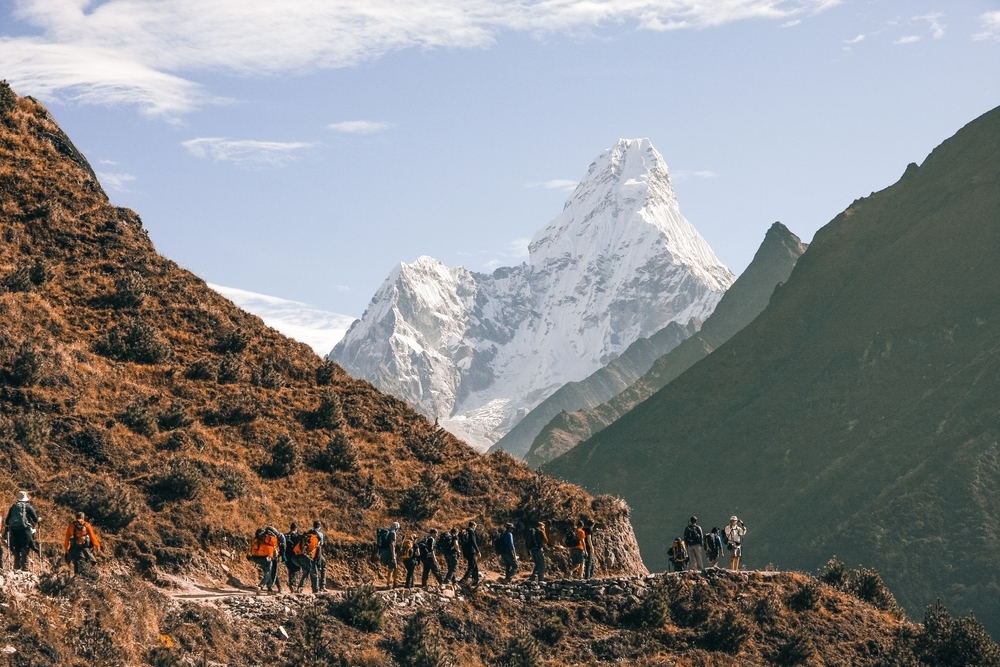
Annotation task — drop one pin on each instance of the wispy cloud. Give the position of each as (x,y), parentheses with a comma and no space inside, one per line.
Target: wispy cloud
(791,24)
(937,28)
(856,40)
(514,252)
(134,51)
(245,152)
(991,26)
(116,182)
(909,39)
(555,184)
(358,126)
(680,174)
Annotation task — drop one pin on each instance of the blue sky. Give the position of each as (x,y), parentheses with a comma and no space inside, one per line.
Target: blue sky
(301,148)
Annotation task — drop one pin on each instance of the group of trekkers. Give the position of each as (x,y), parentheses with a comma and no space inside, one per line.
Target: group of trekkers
(300,552)
(21,535)
(393,549)
(698,547)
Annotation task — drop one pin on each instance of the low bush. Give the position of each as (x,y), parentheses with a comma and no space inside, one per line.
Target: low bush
(268,377)
(797,650)
(137,417)
(523,651)
(19,280)
(954,642)
(361,608)
(203,369)
(232,411)
(26,367)
(835,574)
(867,585)
(8,98)
(31,431)
(231,341)
(175,441)
(427,448)
(419,646)
(91,443)
(233,482)
(173,418)
(806,597)
(130,291)
(728,633)
(420,502)
(325,373)
(134,341)
(339,455)
(551,630)
(285,458)
(329,414)
(653,611)
(180,479)
(40,272)
(106,504)
(230,369)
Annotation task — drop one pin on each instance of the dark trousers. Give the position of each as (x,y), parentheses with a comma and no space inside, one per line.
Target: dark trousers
(471,570)
(308,567)
(21,544)
(510,565)
(266,572)
(678,567)
(274,572)
(538,557)
(588,565)
(293,569)
(321,570)
(410,564)
(430,567)
(452,561)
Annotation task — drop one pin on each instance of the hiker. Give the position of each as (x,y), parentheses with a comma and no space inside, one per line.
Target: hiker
(713,547)
(537,539)
(276,561)
(508,556)
(409,552)
(678,555)
(305,553)
(292,538)
(425,551)
(590,556)
(20,527)
(2,531)
(694,538)
(320,562)
(265,547)
(471,553)
(734,533)
(385,542)
(578,550)
(448,546)
(80,542)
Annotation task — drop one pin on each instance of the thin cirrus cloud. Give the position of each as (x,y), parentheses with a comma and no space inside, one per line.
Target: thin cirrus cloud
(358,127)
(245,152)
(555,184)
(135,51)
(909,39)
(937,28)
(991,26)
(115,181)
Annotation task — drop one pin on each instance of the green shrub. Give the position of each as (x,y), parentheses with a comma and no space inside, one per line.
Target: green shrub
(106,504)
(31,430)
(523,651)
(130,291)
(268,377)
(420,502)
(91,443)
(427,448)
(835,574)
(361,608)
(796,651)
(954,642)
(867,585)
(233,482)
(203,369)
(328,415)
(8,98)
(368,496)
(419,646)
(233,411)
(19,280)
(231,341)
(551,630)
(26,368)
(180,479)
(138,419)
(653,611)
(728,634)
(285,458)
(230,369)
(311,643)
(134,341)
(339,455)
(173,418)
(40,272)
(175,441)
(806,597)
(325,373)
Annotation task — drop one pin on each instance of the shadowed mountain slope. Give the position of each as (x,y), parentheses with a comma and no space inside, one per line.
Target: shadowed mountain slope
(748,296)
(858,414)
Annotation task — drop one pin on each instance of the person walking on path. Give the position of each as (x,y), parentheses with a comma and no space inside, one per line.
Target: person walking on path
(386,543)
(305,553)
(713,547)
(537,539)
(264,550)
(80,542)
(20,526)
(469,542)
(678,555)
(591,555)
(694,538)
(292,538)
(426,550)
(448,546)
(508,555)
(409,552)
(320,562)
(734,534)
(578,550)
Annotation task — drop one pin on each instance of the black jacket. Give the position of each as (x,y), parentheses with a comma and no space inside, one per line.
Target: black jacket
(29,514)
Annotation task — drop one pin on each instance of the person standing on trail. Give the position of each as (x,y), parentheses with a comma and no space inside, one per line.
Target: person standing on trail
(292,538)
(80,542)
(588,543)
(276,561)
(508,555)
(678,555)
(305,553)
(694,538)
(409,552)
(734,533)
(713,547)
(448,546)
(265,548)
(385,542)
(425,551)
(20,527)
(469,542)
(537,539)
(320,558)
(578,551)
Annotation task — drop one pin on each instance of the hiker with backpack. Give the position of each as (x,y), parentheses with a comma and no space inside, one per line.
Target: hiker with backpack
(292,538)
(678,554)
(320,562)
(578,549)
(409,552)
(305,553)
(385,542)
(19,527)
(694,538)
(425,551)
(537,540)
(590,556)
(265,549)
(734,533)
(469,543)
(448,546)
(80,542)
(508,556)
(713,547)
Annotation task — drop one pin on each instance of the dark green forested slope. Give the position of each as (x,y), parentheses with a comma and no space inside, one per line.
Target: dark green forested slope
(859,414)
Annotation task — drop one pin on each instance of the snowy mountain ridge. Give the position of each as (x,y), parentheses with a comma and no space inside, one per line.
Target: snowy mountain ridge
(479,351)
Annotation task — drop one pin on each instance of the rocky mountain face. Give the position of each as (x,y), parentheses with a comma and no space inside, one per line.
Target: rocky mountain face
(477,351)
(857,414)
(579,409)
(574,417)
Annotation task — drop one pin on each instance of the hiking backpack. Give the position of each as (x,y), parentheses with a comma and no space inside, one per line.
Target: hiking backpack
(81,536)
(382,539)
(308,544)
(680,552)
(19,517)
(693,534)
(425,547)
(264,544)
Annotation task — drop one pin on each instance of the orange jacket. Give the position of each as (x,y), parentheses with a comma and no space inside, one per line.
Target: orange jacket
(75,535)
(581,539)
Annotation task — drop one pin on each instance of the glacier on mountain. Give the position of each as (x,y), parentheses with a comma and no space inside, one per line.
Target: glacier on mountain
(478,351)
